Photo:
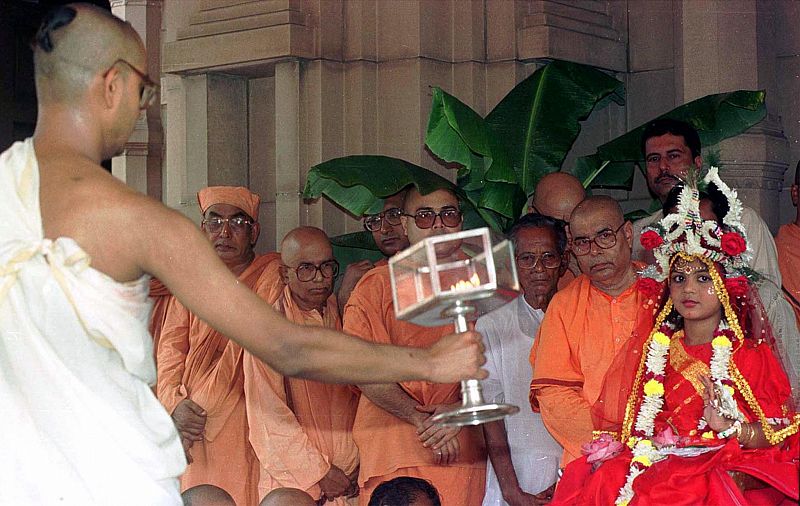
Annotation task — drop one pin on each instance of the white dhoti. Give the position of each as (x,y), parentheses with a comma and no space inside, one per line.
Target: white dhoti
(78,422)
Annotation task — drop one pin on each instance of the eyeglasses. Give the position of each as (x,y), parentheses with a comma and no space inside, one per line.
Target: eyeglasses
(215,224)
(530,260)
(605,239)
(307,271)
(148,90)
(374,222)
(425,218)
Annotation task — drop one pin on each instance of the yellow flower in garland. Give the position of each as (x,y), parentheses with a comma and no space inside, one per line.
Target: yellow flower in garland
(661,338)
(642,459)
(729,389)
(721,341)
(653,387)
(708,435)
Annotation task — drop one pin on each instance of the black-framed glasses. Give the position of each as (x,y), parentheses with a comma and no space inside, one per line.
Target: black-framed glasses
(374,222)
(530,260)
(214,224)
(148,89)
(425,218)
(604,239)
(308,271)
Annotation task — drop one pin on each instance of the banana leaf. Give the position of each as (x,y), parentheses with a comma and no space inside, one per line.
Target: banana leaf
(359,183)
(539,120)
(716,117)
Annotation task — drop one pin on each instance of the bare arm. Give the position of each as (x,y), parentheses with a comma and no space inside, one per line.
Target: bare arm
(395,401)
(206,287)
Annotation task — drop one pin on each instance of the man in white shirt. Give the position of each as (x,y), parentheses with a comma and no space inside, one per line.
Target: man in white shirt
(523,456)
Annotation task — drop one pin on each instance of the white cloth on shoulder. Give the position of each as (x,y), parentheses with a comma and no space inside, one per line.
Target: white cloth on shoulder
(79,424)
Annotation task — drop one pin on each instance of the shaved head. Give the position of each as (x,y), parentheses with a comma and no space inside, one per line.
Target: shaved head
(308,267)
(297,243)
(207,495)
(288,497)
(598,203)
(557,194)
(74,44)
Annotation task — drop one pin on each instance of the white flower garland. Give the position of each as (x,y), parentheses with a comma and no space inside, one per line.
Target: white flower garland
(644,452)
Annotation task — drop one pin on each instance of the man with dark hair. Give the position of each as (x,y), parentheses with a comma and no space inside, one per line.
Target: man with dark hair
(670,147)
(405,491)
(523,456)
(389,236)
(77,248)
(393,428)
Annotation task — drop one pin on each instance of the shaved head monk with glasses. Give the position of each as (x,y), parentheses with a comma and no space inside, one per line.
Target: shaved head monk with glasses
(586,323)
(393,428)
(301,430)
(77,248)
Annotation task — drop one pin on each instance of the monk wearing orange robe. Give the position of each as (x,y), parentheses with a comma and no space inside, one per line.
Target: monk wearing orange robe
(161,296)
(200,375)
(389,236)
(301,430)
(788,244)
(393,428)
(586,324)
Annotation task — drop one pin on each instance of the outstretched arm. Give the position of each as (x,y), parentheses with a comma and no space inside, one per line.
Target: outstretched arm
(206,287)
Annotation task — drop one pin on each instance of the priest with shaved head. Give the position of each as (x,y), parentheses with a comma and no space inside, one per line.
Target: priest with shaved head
(301,430)
(586,323)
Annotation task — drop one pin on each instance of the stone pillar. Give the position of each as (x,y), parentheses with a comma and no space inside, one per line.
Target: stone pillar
(139,166)
(287,147)
(718,50)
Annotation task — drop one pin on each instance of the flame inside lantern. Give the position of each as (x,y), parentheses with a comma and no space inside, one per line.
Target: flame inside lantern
(472,282)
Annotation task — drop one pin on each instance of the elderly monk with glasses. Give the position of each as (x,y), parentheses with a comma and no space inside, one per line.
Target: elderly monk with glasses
(200,376)
(389,236)
(301,430)
(393,428)
(586,323)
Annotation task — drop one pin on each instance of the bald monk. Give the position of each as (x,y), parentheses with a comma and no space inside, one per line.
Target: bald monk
(302,430)
(393,430)
(77,248)
(586,323)
(556,195)
(389,236)
(207,495)
(288,497)
(200,376)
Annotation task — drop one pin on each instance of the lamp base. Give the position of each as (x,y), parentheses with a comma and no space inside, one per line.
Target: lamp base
(475,414)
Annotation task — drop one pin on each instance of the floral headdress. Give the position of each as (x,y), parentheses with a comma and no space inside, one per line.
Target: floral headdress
(686,232)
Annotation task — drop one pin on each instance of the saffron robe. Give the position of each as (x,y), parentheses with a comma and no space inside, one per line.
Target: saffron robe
(299,428)
(197,362)
(388,446)
(788,244)
(80,424)
(161,296)
(582,331)
(702,479)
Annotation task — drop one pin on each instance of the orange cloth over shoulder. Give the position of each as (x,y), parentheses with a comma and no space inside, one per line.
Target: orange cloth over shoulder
(197,362)
(161,297)
(299,428)
(582,331)
(389,446)
(788,244)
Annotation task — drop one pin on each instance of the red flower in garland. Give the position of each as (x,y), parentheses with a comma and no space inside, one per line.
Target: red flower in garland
(737,286)
(649,287)
(733,243)
(651,240)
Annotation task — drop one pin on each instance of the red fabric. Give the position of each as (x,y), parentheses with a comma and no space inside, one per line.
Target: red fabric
(703,479)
